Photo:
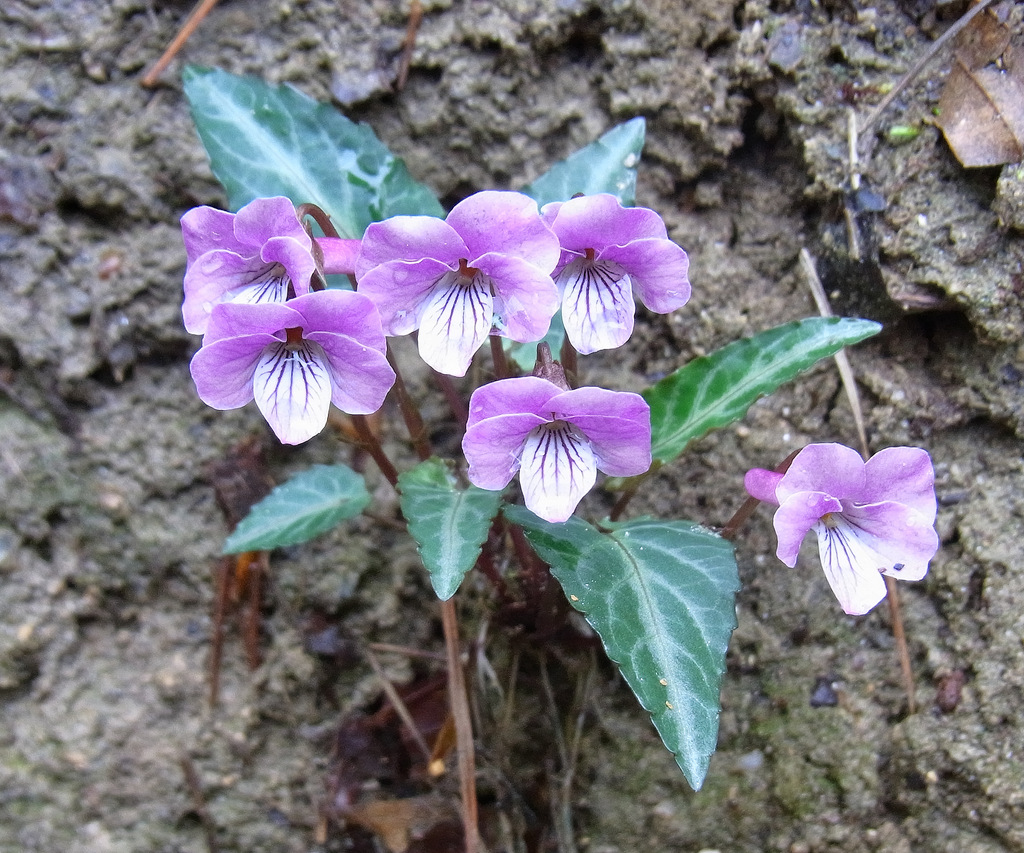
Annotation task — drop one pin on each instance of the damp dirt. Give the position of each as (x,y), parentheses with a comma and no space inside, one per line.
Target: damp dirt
(109,529)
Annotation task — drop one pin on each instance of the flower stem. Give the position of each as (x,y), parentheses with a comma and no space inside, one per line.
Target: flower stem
(498,357)
(454,398)
(369,440)
(750,504)
(410,413)
(570,363)
(463,724)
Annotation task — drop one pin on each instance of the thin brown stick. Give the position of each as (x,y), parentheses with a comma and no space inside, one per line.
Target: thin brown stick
(463,725)
(410,413)
(841,359)
(259,564)
(409,44)
(225,569)
(192,22)
(400,707)
(498,357)
(372,445)
(853,396)
(195,789)
(900,636)
(918,66)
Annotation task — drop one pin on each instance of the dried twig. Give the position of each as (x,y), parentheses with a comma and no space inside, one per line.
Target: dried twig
(408,44)
(463,725)
(850,388)
(400,707)
(192,22)
(195,789)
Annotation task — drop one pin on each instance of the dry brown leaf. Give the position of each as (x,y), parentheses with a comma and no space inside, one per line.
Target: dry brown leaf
(982,111)
(984,39)
(398,822)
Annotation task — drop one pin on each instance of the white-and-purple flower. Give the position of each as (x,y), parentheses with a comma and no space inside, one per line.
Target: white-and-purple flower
(483,270)
(295,359)
(872,518)
(260,254)
(555,439)
(610,253)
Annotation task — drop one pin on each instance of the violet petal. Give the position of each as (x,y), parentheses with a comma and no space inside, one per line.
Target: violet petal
(504,222)
(797,515)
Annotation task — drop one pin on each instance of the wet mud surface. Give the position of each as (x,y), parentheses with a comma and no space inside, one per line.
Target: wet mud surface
(109,530)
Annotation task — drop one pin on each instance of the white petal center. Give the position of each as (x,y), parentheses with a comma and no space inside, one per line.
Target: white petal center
(852,566)
(292,387)
(597,304)
(557,468)
(455,318)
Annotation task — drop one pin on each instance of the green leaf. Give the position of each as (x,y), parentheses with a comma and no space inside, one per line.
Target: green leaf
(716,389)
(605,166)
(449,524)
(300,509)
(661,596)
(266,140)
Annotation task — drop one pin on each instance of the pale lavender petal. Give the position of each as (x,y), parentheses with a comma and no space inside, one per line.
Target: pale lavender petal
(834,469)
(399,289)
(597,305)
(901,539)
(557,468)
(598,221)
(292,388)
(221,276)
(796,516)
(339,255)
(340,312)
(848,563)
(205,229)
(296,258)
(504,222)
(454,321)
(525,297)
(522,394)
(411,239)
(616,423)
(232,320)
(265,218)
(903,474)
(493,446)
(761,484)
(223,370)
(658,270)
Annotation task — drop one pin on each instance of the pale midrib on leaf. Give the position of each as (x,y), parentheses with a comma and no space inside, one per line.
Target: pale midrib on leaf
(264,139)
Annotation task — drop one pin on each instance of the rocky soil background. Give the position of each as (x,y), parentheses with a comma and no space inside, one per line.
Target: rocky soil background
(109,530)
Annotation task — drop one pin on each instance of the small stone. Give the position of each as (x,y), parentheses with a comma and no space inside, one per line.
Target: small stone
(1009,202)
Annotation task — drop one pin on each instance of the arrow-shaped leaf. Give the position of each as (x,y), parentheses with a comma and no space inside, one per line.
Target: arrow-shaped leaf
(448,523)
(661,595)
(301,509)
(607,165)
(716,389)
(266,140)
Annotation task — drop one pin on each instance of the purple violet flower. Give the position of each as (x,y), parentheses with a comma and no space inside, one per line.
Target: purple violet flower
(872,518)
(295,360)
(260,254)
(555,439)
(483,270)
(610,253)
